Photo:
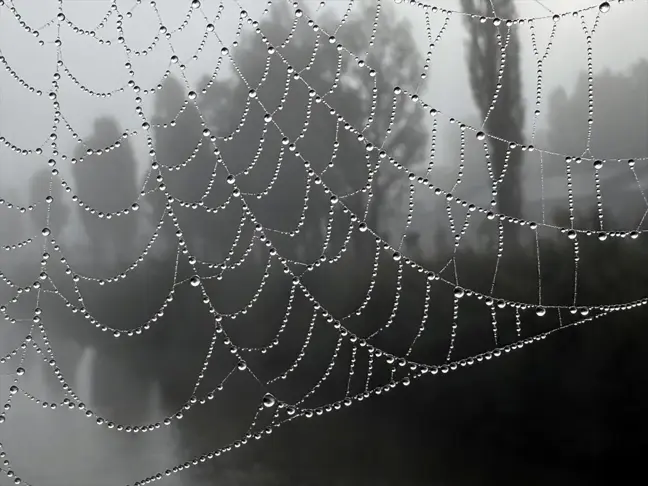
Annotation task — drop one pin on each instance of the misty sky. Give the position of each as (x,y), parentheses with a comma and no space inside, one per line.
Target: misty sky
(26,119)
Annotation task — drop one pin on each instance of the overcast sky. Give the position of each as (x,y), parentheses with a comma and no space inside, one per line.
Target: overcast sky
(621,39)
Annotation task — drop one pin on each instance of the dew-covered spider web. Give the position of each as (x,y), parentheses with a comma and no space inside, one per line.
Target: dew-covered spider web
(313,210)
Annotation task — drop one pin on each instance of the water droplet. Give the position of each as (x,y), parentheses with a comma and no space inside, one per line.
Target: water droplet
(604,7)
(224,51)
(195,281)
(242,366)
(192,95)
(396,256)
(46,232)
(481,135)
(540,311)
(459,292)
(230,179)
(269,401)
(252,93)
(598,164)
(20,371)
(571,234)
(362,227)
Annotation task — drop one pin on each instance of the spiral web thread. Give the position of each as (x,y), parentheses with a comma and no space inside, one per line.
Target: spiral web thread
(404,369)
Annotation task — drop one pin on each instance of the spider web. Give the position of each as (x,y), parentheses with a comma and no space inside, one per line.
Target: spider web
(342,225)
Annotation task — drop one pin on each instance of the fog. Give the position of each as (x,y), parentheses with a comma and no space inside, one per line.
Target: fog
(567,409)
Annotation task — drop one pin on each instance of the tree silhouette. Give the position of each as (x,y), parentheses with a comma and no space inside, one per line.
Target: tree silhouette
(619,130)
(180,143)
(396,61)
(222,105)
(107,182)
(306,121)
(504,116)
(620,122)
